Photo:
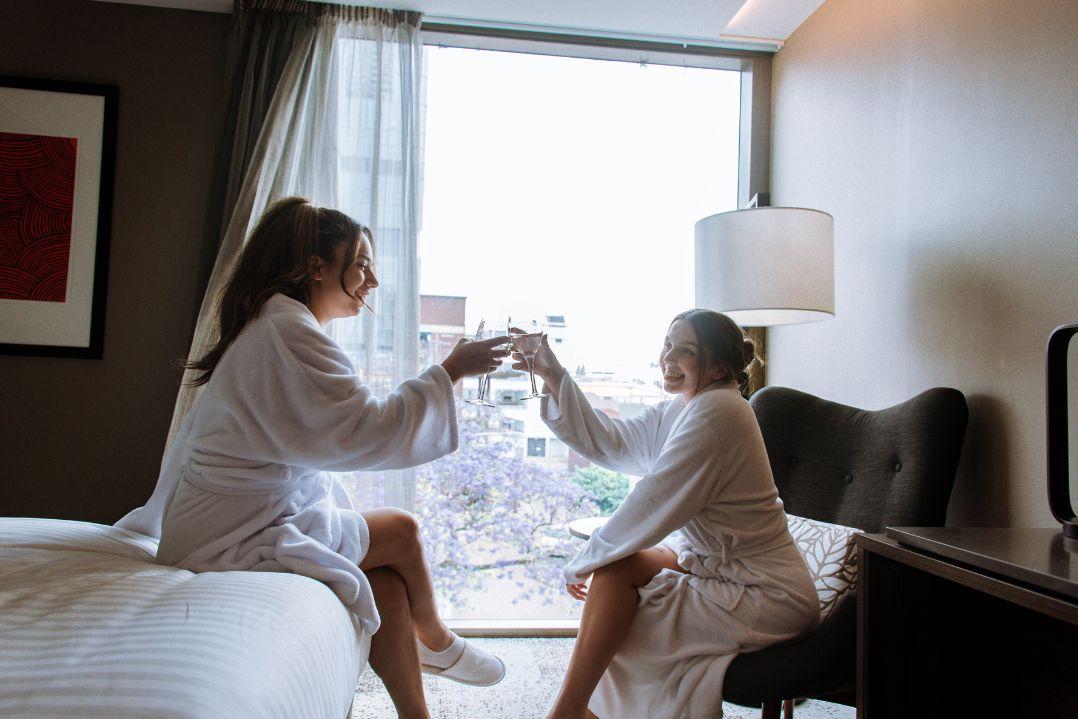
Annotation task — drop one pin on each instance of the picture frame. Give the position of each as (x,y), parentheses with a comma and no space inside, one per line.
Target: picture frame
(57,170)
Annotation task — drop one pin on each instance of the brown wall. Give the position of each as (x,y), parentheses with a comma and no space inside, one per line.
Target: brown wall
(82,439)
(943,137)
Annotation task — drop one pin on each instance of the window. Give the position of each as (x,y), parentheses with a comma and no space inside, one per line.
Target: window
(536,446)
(563,190)
(511,396)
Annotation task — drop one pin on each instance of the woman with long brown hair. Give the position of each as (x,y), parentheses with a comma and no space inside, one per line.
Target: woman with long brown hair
(697,564)
(246,485)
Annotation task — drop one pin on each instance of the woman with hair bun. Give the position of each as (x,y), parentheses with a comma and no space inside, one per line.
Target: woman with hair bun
(245,484)
(697,564)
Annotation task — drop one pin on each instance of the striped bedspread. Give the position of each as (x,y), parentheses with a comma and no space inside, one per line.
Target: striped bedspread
(90,627)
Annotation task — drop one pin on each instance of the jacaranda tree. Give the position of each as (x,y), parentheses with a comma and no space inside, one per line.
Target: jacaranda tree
(485,510)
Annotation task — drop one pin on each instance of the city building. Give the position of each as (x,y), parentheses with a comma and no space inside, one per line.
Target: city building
(616,396)
(441,326)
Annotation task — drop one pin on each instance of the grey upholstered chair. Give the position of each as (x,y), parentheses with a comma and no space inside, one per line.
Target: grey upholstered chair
(864,469)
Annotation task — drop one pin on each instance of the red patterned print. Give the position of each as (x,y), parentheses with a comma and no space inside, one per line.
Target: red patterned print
(37,189)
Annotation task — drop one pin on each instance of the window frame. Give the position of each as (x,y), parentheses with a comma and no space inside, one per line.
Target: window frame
(754,158)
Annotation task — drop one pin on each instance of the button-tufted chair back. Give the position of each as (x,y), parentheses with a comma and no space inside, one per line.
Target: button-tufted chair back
(861,468)
(870,470)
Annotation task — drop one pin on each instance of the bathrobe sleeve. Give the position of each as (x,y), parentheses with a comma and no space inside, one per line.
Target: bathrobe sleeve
(686,477)
(620,445)
(317,413)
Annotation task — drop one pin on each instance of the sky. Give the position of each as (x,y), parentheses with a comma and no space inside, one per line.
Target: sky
(562,186)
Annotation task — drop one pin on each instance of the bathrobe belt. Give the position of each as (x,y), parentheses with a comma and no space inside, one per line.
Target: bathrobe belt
(707,563)
(271,479)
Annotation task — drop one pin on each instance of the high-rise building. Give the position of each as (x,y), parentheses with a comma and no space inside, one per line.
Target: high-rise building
(558,337)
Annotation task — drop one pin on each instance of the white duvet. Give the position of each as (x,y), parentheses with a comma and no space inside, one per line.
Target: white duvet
(91,627)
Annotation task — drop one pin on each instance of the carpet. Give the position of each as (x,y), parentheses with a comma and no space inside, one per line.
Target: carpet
(535,670)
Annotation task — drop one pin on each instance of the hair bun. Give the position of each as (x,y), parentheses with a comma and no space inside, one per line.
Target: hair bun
(748,349)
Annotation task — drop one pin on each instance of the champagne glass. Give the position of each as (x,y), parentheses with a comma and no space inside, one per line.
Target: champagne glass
(482,333)
(527,342)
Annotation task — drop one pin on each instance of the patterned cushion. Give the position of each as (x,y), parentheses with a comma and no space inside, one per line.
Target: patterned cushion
(831,556)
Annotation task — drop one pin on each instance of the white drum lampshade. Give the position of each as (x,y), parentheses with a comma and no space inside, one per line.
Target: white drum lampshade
(767,266)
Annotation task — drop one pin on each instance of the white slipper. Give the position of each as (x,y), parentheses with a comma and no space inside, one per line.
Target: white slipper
(470,664)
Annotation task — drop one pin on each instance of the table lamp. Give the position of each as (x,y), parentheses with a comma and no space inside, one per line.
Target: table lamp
(766,266)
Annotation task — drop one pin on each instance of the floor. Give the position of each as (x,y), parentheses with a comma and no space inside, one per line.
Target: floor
(535,670)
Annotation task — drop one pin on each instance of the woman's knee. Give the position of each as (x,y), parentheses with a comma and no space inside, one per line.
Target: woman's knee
(637,569)
(394,539)
(624,571)
(407,525)
(399,526)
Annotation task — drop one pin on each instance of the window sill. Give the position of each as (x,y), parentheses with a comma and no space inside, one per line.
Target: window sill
(515,627)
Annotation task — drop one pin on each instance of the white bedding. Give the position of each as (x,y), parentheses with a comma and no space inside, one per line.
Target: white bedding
(90,627)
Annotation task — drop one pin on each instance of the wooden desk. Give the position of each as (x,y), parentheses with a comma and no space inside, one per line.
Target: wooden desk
(976,622)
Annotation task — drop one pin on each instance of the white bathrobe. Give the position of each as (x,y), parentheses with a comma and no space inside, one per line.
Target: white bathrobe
(244,484)
(706,479)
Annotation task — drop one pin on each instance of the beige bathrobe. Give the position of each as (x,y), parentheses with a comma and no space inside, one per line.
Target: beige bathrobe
(246,483)
(707,493)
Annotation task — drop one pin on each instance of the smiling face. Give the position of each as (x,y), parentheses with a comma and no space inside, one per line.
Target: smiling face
(681,365)
(338,291)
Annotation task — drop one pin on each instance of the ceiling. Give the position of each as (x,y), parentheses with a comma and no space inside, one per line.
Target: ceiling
(711,22)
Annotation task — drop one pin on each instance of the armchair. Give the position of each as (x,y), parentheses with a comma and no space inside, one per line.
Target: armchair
(859,468)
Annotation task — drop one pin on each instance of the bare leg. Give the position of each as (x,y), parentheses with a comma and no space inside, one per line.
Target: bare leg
(608,610)
(394,656)
(395,544)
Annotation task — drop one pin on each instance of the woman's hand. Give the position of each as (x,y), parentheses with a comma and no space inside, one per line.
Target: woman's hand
(471,358)
(578,591)
(545,365)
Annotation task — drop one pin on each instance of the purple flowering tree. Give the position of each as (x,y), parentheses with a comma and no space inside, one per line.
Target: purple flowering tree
(485,512)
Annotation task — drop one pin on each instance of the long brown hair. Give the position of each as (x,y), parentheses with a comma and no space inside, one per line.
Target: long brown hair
(275,259)
(721,339)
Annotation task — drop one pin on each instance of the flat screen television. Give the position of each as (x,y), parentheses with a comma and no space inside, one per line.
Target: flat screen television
(1059,441)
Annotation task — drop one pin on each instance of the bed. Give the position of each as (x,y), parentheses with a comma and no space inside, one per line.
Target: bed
(91,627)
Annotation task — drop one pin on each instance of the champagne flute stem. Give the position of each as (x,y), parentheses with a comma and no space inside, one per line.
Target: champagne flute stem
(531,373)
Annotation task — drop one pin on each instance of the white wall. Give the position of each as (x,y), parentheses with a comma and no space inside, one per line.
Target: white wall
(943,137)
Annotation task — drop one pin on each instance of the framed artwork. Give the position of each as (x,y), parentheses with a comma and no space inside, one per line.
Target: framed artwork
(57,157)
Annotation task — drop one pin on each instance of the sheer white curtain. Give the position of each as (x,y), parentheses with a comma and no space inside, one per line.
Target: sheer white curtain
(379,174)
(345,130)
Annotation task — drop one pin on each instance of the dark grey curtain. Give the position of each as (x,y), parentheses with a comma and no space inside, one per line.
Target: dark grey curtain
(262,37)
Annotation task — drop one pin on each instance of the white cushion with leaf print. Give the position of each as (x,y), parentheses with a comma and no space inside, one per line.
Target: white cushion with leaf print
(831,556)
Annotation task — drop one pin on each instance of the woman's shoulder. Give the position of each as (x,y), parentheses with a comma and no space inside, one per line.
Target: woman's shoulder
(292,322)
(721,405)
(724,396)
(281,308)
(672,406)
(285,328)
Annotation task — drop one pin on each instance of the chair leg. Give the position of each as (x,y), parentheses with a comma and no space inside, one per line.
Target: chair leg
(771,709)
(787,709)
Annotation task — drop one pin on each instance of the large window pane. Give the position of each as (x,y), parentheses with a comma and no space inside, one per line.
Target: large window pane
(563,190)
